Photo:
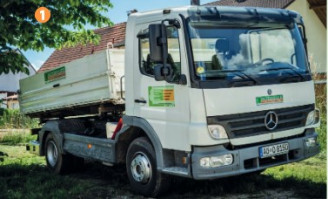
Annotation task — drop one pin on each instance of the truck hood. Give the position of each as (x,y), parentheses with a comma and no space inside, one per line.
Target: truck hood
(237,100)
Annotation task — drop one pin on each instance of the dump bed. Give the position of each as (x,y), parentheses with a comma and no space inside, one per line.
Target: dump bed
(91,80)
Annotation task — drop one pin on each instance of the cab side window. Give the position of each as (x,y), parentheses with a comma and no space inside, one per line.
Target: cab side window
(174,51)
(147,65)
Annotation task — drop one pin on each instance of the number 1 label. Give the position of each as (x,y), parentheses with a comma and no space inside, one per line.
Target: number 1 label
(42,14)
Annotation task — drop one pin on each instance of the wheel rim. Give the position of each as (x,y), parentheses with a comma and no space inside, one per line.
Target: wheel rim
(141,168)
(52,153)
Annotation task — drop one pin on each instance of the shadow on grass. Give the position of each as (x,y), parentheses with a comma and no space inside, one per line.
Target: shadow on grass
(114,182)
(98,181)
(35,181)
(2,156)
(250,184)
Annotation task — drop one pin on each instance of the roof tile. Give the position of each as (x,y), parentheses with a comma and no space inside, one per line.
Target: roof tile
(115,34)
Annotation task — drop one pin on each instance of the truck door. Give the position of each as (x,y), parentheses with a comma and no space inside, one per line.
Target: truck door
(164,105)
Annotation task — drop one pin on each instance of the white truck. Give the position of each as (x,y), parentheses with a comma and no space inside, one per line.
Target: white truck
(199,92)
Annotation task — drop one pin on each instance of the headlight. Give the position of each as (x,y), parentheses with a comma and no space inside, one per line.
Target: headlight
(216,161)
(313,117)
(310,118)
(217,132)
(311,142)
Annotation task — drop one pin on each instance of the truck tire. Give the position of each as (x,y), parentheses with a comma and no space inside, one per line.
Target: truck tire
(142,169)
(58,162)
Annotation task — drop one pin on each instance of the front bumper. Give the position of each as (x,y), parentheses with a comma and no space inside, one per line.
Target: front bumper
(33,147)
(248,160)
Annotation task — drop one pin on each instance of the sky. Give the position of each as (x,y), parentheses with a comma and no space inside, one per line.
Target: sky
(117,14)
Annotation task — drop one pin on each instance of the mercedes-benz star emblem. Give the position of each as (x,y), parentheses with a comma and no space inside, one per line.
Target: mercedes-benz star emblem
(269,91)
(271,120)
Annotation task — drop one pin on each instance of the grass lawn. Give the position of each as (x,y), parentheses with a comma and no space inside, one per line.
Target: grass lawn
(23,175)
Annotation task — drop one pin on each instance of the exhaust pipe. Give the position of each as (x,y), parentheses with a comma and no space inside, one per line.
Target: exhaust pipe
(195,2)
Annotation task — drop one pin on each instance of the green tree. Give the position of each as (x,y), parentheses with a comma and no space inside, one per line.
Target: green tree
(19,29)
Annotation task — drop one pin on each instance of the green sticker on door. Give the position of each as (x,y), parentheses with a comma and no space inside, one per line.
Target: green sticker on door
(161,96)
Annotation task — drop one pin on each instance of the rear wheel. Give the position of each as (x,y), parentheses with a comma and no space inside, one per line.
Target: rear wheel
(142,169)
(58,162)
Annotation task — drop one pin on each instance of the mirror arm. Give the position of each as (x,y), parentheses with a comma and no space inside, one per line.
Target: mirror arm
(163,41)
(175,23)
(303,34)
(183,79)
(165,54)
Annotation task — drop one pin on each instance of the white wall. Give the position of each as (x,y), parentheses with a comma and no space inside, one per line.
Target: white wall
(10,82)
(316,34)
(3,104)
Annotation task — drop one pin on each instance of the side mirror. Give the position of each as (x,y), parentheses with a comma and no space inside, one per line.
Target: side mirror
(158,73)
(163,73)
(157,42)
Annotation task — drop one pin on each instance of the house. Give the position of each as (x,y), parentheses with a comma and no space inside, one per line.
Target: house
(313,12)
(11,102)
(9,85)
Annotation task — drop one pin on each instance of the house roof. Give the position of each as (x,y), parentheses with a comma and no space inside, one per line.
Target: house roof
(114,34)
(253,3)
(320,8)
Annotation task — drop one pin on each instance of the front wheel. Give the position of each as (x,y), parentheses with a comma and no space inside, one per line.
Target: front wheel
(142,169)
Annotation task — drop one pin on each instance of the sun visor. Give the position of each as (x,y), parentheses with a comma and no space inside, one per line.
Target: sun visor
(242,16)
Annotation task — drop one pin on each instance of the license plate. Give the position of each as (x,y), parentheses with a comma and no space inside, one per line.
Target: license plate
(273,150)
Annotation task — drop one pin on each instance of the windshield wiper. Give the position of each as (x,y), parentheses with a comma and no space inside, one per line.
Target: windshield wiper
(241,74)
(286,68)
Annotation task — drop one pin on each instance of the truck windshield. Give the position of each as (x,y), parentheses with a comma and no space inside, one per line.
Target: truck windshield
(253,54)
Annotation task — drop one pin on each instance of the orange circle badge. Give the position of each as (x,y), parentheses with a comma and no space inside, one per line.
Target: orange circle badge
(42,14)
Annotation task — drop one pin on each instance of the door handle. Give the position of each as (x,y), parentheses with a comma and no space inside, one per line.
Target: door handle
(140,101)
(56,85)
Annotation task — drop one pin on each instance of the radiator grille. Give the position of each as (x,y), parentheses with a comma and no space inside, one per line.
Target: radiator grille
(249,124)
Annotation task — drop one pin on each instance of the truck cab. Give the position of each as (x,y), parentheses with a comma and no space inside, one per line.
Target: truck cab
(238,96)
(210,92)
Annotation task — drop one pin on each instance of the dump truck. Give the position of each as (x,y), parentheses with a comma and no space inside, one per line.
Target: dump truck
(200,92)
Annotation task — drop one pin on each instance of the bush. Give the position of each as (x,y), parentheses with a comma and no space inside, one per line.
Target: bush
(14,138)
(321,99)
(13,119)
